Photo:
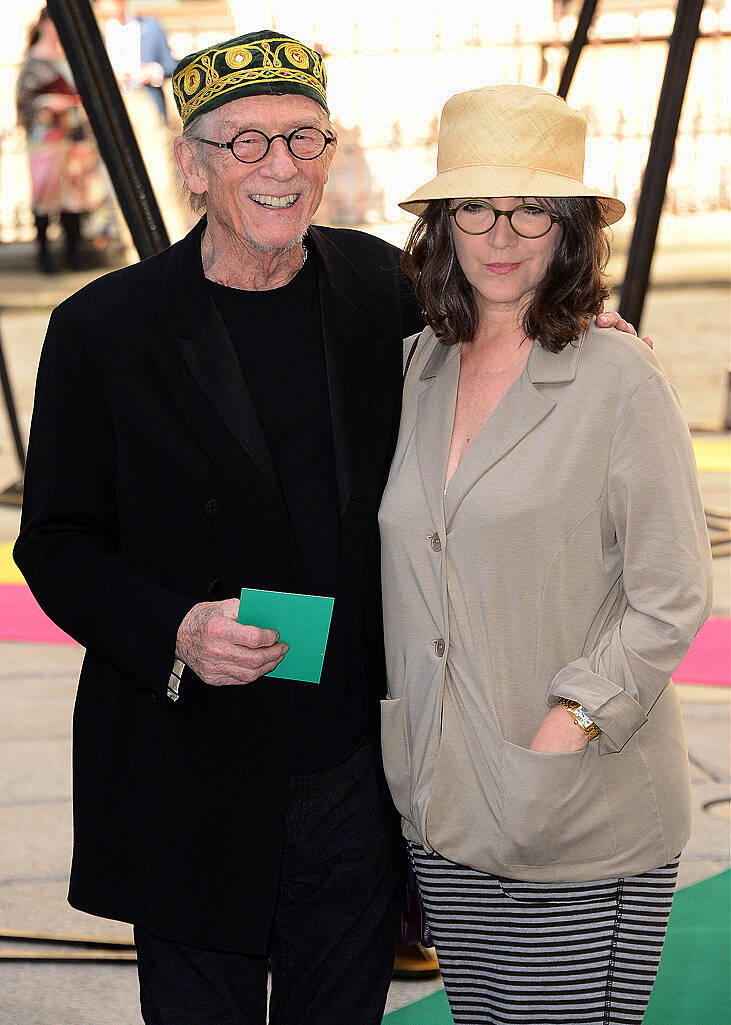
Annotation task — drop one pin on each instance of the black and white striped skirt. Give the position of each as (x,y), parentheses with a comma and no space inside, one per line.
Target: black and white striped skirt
(538,953)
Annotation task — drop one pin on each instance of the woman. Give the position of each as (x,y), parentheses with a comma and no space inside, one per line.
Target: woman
(545,568)
(64,164)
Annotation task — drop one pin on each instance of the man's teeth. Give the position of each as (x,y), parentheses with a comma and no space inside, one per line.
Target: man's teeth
(274,201)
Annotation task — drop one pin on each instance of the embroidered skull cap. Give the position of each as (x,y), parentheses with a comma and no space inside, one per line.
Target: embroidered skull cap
(257,63)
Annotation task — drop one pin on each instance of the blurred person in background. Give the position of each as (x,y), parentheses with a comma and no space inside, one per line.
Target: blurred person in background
(66,177)
(139,52)
(141,60)
(545,567)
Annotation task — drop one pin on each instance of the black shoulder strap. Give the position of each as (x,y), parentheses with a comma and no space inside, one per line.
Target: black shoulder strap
(411,355)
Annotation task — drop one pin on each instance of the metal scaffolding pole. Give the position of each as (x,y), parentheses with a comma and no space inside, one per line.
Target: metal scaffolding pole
(95,81)
(10,406)
(577,45)
(12,495)
(662,146)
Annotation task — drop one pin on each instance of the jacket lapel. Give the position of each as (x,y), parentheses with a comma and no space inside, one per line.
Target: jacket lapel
(521,409)
(434,421)
(354,328)
(213,364)
(200,366)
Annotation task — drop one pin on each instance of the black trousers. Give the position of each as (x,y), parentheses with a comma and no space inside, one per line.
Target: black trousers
(332,944)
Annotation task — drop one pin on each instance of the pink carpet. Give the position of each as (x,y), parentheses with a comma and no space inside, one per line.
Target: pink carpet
(709,658)
(707,662)
(21,618)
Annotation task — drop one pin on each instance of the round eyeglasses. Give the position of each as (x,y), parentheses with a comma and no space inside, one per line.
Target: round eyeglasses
(251,146)
(476,217)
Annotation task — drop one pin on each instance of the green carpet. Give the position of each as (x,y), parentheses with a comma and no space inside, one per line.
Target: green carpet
(692,986)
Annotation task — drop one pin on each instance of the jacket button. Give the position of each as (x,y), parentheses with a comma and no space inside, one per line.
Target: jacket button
(211,507)
(214,587)
(435,542)
(440,646)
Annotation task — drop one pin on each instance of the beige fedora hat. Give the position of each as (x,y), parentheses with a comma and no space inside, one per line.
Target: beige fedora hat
(510,140)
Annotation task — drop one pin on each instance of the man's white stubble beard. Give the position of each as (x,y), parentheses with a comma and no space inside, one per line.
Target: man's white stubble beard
(263,247)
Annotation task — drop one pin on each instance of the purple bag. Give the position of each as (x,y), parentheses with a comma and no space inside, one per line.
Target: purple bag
(412,926)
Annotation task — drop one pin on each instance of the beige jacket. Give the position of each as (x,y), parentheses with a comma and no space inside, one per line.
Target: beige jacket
(569,557)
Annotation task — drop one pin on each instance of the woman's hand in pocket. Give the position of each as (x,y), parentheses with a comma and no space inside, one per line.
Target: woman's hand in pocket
(559,732)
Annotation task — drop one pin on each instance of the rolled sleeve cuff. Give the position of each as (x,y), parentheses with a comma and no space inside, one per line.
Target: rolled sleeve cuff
(617,714)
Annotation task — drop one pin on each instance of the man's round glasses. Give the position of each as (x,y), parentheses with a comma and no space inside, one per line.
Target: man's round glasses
(475,217)
(252,145)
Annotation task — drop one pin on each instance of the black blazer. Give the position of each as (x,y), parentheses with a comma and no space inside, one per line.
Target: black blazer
(150,487)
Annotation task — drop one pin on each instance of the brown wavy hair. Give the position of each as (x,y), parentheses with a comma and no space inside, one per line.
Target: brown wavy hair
(573,290)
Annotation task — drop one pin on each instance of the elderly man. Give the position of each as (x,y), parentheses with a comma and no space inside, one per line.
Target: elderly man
(222,415)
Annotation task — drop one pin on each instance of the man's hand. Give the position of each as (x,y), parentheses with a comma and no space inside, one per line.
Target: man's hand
(559,732)
(222,651)
(613,319)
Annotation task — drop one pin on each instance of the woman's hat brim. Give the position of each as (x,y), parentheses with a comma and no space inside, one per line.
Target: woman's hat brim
(491,181)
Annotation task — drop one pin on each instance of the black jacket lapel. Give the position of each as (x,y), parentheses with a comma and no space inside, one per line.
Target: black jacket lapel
(200,365)
(354,316)
(212,362)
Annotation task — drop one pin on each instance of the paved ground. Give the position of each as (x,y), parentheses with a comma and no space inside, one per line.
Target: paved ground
(37,683)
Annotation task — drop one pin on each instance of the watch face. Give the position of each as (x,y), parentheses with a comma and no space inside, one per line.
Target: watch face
(582,718)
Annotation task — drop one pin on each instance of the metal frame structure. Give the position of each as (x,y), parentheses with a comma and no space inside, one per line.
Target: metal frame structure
(662,144)
(12,495)
(586,16)
(662,147)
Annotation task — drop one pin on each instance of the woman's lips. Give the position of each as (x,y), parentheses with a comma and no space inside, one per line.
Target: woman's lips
(501,268)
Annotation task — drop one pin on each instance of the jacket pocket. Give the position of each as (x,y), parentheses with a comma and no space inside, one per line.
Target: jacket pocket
(554,808)
(396,753)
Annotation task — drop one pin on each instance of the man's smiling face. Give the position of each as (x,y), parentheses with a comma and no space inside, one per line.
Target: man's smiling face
(267,205)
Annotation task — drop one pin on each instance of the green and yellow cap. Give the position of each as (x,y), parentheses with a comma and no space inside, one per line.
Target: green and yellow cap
(258,63)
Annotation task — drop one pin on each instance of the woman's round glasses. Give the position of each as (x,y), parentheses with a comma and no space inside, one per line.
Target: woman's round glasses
(252,145)
(475,217)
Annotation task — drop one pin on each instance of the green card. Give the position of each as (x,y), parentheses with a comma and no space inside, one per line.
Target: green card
(303,622)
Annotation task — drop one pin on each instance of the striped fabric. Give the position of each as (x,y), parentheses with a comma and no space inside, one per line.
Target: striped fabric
(539,953)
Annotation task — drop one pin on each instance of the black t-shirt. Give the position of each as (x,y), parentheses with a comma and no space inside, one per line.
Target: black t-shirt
(277,335)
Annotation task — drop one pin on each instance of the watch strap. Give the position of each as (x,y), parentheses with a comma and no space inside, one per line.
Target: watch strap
(580,717)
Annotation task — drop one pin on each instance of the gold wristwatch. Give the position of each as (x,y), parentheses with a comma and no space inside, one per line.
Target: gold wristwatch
(578,714)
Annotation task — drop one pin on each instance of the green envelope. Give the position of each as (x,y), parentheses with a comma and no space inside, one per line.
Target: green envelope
(303,622)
